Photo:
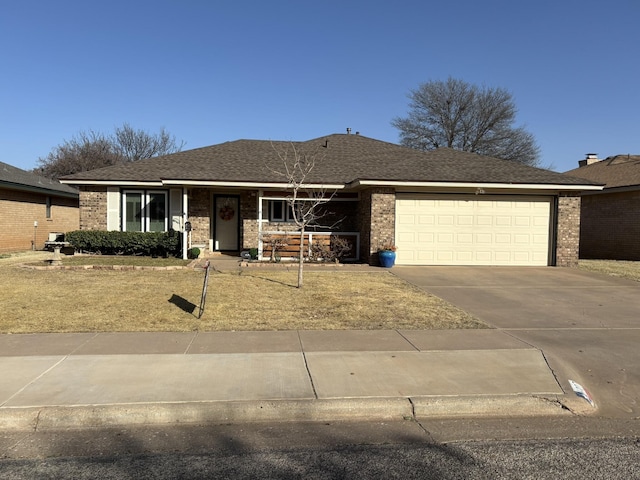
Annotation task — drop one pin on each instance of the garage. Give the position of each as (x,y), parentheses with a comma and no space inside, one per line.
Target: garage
(462,229)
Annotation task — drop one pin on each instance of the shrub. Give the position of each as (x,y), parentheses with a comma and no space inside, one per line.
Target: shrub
(193,252)
(337,249)
(125,243)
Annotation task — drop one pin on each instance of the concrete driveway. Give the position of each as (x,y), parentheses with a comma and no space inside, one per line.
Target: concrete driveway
(586,324)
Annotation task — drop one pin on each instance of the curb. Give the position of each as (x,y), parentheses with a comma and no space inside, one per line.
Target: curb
(325,410)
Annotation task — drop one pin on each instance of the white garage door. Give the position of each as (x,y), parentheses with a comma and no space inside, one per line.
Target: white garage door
(472,230)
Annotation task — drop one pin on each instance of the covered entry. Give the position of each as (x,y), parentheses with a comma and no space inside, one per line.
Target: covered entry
(462,229)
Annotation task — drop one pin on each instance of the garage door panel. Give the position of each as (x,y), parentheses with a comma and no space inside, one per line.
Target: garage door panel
(406,219)
(502,221)
(473,230)
(484,238)
(426,237)
(463,238)
(540,239)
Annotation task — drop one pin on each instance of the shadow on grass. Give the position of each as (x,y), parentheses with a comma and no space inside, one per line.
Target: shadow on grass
(183,304)
(272,280)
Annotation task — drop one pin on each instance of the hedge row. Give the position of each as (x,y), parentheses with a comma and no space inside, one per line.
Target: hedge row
(160,244)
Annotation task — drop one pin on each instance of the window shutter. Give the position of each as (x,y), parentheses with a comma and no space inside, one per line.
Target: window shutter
(175,209)
(113,208)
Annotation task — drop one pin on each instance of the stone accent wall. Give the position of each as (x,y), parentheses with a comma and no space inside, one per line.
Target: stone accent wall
(249,216)
(377,213)
(18,211)
(610,226)
(568,232)
(200,202)
(93,208)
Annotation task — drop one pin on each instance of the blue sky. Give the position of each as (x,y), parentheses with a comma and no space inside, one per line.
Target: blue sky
(214,71)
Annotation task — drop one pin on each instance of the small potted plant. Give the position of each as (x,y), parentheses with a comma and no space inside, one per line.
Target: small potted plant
(387,255)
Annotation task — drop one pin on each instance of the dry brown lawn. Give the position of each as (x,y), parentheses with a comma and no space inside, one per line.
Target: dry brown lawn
(254,299)
(615,268)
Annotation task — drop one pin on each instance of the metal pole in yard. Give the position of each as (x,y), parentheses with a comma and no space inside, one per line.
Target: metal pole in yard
(204,289)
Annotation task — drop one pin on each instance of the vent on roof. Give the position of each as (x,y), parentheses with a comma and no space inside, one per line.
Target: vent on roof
(589,160)
(348,131)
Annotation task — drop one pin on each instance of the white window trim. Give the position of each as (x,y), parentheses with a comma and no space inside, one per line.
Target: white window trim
(145,196)
(147,200)
(287,216)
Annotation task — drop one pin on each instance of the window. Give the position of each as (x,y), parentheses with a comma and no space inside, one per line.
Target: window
(48,207)
(280,211)
(144,211)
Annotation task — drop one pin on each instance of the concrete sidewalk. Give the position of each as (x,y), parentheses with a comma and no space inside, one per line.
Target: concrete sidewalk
(76,380)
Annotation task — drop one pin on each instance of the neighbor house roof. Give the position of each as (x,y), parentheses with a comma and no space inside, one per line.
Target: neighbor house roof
(339,159)
(614,172)
(17,179)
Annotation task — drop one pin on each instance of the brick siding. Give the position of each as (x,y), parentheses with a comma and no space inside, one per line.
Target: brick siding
(18,211)
(568,231)
(200,205)
(610,226)
(377,211)
(93,208)
(249,218)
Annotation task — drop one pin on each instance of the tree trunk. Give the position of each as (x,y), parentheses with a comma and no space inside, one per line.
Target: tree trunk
(301,258)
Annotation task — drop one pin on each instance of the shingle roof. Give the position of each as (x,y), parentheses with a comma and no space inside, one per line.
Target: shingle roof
(15,178)
(340,158)
(616,171)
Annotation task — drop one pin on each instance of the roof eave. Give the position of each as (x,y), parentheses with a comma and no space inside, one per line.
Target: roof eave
(514,186)
(42,190)
(203,183)
(118,183)
(235,184)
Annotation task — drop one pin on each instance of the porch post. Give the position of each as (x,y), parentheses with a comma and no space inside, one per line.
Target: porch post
(185,209)
(260,245)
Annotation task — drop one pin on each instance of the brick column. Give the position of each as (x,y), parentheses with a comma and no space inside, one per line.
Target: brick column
(249,217)
(568,236)
(200,216)
(377,216)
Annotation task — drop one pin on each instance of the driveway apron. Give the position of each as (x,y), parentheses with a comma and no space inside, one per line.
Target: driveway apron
(586,324)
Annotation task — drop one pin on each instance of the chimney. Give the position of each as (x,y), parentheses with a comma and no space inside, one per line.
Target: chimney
(589,160)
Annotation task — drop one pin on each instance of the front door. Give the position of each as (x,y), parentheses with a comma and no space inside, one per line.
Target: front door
(226,222)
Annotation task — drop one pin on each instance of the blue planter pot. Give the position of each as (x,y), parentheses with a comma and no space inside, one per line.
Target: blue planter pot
(387,258)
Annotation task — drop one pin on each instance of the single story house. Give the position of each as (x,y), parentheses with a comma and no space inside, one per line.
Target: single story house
(610,218)
(32,207)
(443,207)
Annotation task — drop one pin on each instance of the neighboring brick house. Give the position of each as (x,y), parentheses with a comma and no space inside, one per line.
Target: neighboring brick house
(610,219)
(443,207)
(32,207)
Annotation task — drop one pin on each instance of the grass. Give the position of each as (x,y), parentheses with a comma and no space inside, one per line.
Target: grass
(254,299)
(122,260)
(615,268)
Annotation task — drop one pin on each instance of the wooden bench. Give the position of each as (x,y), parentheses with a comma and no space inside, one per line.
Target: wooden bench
(287,244)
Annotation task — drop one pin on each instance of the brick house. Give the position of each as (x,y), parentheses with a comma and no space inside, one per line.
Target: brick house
(442,207)
(610,219)
(32,207)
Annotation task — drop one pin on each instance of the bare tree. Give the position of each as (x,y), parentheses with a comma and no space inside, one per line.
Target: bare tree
(135,144)
(85,151)
(463,116)
(91,150)
(303,201)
